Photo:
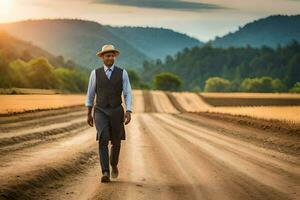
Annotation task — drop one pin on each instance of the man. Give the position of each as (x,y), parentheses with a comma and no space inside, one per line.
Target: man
(108,82)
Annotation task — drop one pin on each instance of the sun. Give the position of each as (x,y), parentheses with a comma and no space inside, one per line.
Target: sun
(5,7)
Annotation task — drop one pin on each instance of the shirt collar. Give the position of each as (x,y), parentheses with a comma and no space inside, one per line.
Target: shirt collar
(106,68)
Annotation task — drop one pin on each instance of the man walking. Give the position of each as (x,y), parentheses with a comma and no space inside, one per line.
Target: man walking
(108,82)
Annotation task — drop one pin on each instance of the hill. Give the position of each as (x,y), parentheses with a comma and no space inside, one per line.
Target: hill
(269,31)
(13,48)
(79,40)
(26,66)
(155,42)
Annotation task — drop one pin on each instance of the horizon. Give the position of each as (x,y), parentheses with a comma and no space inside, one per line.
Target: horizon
(146,26)
(198,19)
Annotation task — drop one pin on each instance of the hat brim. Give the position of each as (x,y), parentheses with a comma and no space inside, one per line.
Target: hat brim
(100,53)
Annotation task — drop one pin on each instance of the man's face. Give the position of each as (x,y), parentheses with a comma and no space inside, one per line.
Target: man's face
(108,58)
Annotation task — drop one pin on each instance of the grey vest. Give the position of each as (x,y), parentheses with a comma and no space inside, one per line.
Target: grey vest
(109,91)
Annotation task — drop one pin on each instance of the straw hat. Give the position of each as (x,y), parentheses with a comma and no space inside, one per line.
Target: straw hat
(108,48)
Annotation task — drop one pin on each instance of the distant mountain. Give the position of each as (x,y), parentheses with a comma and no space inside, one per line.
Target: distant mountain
(79,40)
(270,31)
(155,42)
(13,48)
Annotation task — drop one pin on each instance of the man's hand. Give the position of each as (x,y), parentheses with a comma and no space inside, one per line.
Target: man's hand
(90,120)
(127,117)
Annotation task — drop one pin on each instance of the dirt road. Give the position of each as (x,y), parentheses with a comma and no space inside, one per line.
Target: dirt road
(53,155)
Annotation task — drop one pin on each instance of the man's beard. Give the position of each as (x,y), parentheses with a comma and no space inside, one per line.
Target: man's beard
(109,64)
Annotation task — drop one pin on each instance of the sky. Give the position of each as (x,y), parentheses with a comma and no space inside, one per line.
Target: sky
(202,19)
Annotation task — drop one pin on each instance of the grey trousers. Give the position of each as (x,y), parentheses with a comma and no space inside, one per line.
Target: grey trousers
(104,156)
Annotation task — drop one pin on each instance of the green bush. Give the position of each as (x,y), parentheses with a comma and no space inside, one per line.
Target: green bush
(5,74)
(295,88)
(262,84)
(217,84)
(39,73)
(135,80)
(167,81)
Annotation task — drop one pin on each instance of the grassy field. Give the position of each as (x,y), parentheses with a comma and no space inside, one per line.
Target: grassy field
(186,101)
(250,99)
(290,114)
(23,103)
(230,103)
(279,106)
(28,91)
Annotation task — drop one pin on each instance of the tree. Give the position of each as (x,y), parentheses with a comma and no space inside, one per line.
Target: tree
(233,63)
(135,79)
(278,86)
(20,77)
(25,55)
(196,89)
(167,81)
(70,80)
(217,84)
(293,70)
(5,74)
(250,85)
(41,74)
(262,84)
(295,88)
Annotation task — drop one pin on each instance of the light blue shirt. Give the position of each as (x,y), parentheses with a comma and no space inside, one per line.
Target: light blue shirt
(126,87)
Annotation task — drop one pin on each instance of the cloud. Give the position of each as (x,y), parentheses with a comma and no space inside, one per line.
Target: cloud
(161,4)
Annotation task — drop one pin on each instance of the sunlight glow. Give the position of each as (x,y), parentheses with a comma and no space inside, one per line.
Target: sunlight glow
(6,7)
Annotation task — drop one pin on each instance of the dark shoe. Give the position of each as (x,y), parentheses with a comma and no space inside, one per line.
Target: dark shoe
(105,177)
(114,172)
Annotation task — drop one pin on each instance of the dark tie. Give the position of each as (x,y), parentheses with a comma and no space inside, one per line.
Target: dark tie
(109,70)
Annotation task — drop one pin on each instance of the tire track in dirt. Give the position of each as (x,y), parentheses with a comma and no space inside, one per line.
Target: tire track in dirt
(149,102)
(285,143)
(138,101)
(165,156)
(143,170)
(175,103)
(40,133)
(40,121)
(35,168)
(187,102)
(266,134)
(32,131)
(162,102)
(37,141)
(146,172)
(38,114)
(150,176)
(278,180)
(276,158)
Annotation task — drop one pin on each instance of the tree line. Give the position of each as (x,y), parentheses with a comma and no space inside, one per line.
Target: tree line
(40,73)
(246,69)
(204,68)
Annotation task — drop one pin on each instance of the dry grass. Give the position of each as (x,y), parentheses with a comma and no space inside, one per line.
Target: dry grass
(251,99)
(28,91)
(188,102)
(194,103)
(22,103)
(289,114)
(250,95)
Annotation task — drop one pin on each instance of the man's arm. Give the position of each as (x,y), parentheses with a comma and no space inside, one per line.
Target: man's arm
(90,97)
(127,96)
(127,91)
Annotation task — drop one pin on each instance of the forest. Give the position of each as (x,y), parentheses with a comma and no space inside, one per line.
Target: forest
(39,73)
(241,66)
